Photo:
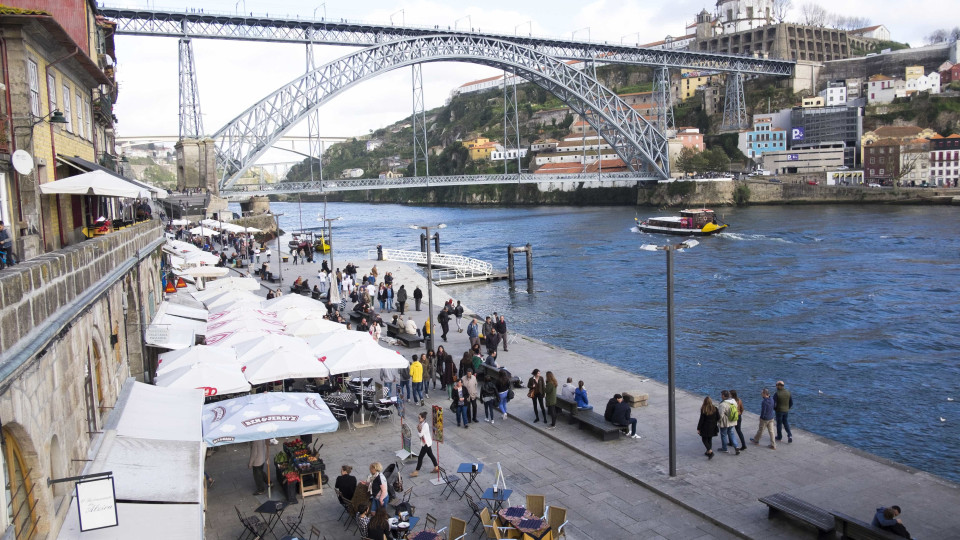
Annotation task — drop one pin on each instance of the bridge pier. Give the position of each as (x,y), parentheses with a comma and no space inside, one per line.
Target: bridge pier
(528,249)
(197,165)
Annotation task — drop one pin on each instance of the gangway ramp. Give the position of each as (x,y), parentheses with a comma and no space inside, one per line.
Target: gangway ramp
(448,268)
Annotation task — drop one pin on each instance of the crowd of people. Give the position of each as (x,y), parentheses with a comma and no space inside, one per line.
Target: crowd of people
(726,418)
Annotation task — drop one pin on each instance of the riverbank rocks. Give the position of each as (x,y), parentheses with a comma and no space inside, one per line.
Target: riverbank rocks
(635,400)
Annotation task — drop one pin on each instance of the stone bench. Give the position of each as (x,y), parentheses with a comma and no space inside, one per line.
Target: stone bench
(855,529)
(800,510)
(570,407)
(635,400)
(598,424)
(397,332)
(490,371)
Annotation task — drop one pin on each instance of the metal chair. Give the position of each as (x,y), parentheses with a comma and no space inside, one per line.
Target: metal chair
(429,522)
(535,505)
(344,503)
(253,527)
(315,534)
(293,524)
(557,517)
(475,508)
(449,483)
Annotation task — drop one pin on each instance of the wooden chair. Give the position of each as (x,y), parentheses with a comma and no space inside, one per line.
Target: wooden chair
(429,522)
(490,527)
(457,529)
(535,505)
(557,518)
(315,534)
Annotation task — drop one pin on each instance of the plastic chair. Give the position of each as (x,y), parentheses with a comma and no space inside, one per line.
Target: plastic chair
(535,505)
(457,529)
(557,518)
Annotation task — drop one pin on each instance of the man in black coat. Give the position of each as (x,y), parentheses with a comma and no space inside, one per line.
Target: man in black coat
(401,298)
(501,327)
(417,296)
(444,319)
(619,415)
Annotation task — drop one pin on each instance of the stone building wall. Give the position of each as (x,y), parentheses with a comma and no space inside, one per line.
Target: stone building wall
(70,333)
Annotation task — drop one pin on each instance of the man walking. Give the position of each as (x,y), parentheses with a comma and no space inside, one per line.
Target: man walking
(501,328)
(729,413)
(783,402)
(258,457)
(401,298)
(473,332)
(766,419)
(417,296)
(458,313)
(444,319)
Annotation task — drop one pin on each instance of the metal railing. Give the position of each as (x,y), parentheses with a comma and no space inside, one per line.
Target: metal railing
(457,265)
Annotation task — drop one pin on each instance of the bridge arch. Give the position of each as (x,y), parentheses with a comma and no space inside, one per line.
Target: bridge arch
(248,136)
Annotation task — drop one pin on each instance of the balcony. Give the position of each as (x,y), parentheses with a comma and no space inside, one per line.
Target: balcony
(103,111)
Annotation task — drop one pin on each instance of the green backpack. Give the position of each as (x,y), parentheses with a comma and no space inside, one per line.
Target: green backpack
(733,413)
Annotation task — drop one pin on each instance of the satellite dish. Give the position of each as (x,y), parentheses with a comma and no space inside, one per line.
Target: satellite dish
(22,162)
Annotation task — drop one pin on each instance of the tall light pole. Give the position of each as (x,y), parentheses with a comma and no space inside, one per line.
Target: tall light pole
(671,382)
(330,238)
(433,330)
(276,218)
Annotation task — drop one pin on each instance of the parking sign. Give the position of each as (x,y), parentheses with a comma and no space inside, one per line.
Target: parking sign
(796,134)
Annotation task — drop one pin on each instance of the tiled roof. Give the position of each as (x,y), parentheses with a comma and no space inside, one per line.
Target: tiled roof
(880,77)
(488,79)
(557,168)
(608,165)
(898,132)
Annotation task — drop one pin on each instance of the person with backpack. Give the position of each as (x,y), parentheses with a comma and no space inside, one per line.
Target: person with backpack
(707,425)
(743,441)
(782,402)
(729,414)
(766,419)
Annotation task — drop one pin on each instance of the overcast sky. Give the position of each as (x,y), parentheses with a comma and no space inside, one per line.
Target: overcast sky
(234,75)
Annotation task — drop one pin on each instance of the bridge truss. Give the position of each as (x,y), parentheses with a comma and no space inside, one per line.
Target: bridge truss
(252,133)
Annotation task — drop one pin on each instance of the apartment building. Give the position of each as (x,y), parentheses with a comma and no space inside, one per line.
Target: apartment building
(945,160)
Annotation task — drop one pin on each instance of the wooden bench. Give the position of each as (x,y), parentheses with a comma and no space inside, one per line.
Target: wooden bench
(570,407)
(272,278)
(599,425)
(855,529)
(803,511)
(490,371)
(397,332)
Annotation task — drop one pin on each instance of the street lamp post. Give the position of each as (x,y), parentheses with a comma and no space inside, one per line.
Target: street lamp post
(671,382)
(276,218)
(330,238)
(433,330)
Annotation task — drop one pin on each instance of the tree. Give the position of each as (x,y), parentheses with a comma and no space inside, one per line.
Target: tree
(717,160)
(780,9)
(942,35)
(814,14)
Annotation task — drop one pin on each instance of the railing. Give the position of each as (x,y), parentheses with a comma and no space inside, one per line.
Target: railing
(458,264)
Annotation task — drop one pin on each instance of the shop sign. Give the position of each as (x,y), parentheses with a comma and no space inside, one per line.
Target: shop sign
(97,504)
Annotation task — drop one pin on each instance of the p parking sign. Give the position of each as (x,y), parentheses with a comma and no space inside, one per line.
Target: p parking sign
(796,134)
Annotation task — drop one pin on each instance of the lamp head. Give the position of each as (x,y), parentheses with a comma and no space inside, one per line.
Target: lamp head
(57,117)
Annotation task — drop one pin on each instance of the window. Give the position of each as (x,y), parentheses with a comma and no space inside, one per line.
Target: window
(66,109)
(89,125)
(80,123)
(872,160)
(52,91)
(21,499)
(33,78)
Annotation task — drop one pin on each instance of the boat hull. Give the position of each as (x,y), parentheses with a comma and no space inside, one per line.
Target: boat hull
(707,230)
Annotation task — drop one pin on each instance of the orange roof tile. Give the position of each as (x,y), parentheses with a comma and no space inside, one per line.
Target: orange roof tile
(488,79)
(899,132)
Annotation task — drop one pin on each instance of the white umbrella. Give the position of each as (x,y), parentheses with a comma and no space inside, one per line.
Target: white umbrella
(296,314)
(320,344)
(287,361)
(228,298)
(199,257)
(204,231)
(333,288)
(206,271)
(262,416)
(179,246)
(178,222)
(229,339)
(94,183)
(258,345)
(365,354)
(245,325)
(289,301)
(313,327)
(235,283)
(213,379)
(198,354)
(242,313)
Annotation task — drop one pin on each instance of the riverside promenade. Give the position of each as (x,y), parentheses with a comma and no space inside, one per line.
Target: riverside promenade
(614,489)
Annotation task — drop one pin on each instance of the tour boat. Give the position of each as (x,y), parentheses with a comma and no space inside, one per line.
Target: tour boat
(699,222)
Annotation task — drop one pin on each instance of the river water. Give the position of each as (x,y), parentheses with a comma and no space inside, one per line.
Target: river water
(855,307)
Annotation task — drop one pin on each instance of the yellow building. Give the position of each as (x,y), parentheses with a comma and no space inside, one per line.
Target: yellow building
(480,148)
(50,67)
(913,72)
(690,81)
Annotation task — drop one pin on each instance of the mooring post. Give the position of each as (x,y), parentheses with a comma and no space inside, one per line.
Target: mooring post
(529,250)
(510,276)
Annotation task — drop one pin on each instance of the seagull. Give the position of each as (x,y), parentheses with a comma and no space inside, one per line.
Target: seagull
(644,380)
(820,392)
(949,399)
(698,363)
(942,419)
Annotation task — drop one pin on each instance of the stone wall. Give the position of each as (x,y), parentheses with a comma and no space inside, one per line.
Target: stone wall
(892,64)
(71,334)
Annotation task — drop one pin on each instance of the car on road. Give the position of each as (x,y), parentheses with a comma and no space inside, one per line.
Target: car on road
(873,184)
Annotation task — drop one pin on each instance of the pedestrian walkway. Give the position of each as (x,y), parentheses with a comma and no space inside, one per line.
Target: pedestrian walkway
(625,483)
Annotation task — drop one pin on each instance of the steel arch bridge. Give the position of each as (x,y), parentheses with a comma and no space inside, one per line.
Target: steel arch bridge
(248,136)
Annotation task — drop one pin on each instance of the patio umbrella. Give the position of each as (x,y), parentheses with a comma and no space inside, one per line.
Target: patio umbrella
(206,271)
(255,346)
(213,379)
(290,301)
(313,327)
(178,222)
(283,363)
(364,354)
(320,344)
(231,338)
(234,283)
(262,416)
(245,325)
(204,231)
(198,354)
(94,183)
(295,314)
(230,298)
(243,313)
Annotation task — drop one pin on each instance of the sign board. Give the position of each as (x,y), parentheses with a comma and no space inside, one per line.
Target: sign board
(438,423)
(796,134)
(158,333)
(97,504)
(793,157)
(406,437)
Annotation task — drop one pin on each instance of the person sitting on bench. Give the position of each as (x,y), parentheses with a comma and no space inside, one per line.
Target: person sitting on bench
(618,413)
(886,519)
(580,396)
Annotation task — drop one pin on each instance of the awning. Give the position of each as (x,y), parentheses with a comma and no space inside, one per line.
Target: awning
(143,522)
(89,166)
(94,183)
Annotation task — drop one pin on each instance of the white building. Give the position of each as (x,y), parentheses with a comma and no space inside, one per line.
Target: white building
(373,144)
(881,89)
(740,15)
(511,153)
(875,32)
(834,94)
(927,83)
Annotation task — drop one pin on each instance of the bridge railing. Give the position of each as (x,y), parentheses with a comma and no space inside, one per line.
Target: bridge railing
(457,263)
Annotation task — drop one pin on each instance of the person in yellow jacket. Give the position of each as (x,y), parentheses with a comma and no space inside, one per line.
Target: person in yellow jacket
(416,377)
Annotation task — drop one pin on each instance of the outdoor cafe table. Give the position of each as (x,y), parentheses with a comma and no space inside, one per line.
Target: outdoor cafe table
(397,532)
(529,525)
(275,509)
(496,499)
(466,471)
(427,534)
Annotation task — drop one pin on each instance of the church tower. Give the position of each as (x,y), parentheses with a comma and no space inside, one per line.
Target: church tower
(740,15)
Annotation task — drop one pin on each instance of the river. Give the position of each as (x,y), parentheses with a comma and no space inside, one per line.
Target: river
(855,307)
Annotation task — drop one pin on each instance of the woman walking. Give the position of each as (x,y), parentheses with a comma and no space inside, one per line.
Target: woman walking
(743,442)
(537,389)
(489,396)
(426,445)
(449,375)
(551,394)
(503,391)
(707,426)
